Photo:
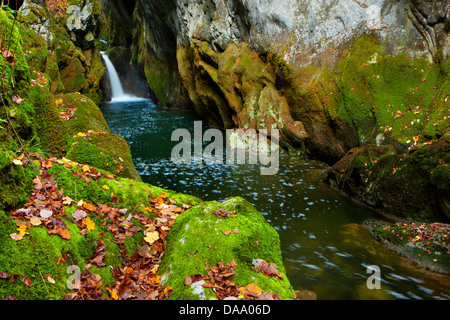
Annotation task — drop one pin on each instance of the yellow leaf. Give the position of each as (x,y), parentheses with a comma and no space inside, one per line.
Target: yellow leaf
(90,225)
(168,288)
(75,143)
(151,237)
(22,229)
(114,295)
(105,187)
(86,168)
(155,269)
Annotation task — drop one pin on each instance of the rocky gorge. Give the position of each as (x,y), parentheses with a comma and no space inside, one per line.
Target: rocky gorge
(360,85)
(336,78)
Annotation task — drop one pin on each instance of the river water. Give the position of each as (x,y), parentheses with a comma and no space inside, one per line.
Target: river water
(323,246)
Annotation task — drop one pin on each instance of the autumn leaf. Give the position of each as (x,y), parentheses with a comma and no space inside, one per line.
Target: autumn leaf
(45,214)
(114,295)
(88,206)
(16,236)
(26,281)
(9,57)
(86,168)
(269,269)
(16,99)
(227,232)
(79,215)
(49,278)
(64,233)
(47,164)
(105,187)
(35,221)
(90,225)
(22,229)
(151,237)
(17,162)
(250,290)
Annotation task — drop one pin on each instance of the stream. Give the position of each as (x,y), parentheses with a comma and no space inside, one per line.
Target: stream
(323,245)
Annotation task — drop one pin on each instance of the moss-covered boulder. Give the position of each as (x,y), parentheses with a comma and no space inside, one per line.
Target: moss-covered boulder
(201,238)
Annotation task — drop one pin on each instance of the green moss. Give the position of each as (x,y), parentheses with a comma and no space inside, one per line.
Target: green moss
(50,127)
(130,193)
(187,248)
(397,91)
(35,256)
(15,182)
(158,78)
(87,116)
(108,152)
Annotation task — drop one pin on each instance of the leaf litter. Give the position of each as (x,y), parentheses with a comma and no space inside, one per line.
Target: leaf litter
(137,279)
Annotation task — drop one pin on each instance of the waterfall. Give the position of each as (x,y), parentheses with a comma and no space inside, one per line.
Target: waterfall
(117,92)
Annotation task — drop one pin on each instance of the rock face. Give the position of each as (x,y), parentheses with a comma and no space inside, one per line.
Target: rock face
(67,34)
(330,75)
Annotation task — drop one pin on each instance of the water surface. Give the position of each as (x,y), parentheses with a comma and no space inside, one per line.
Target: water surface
(323,246)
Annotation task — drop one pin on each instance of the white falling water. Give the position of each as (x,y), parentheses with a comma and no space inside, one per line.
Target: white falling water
(117,92)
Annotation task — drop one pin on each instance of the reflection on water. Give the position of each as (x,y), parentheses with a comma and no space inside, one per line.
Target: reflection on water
(324,248)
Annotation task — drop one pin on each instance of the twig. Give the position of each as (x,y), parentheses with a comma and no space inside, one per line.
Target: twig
(42,278)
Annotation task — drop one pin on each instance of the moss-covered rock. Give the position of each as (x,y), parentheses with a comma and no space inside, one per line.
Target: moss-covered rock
(424,243)
(413,186)
(197,239)
(106,151)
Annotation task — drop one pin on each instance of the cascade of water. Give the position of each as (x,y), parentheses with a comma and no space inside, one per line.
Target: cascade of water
(117,92)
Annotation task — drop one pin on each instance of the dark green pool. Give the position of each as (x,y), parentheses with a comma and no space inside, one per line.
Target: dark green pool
(324,248)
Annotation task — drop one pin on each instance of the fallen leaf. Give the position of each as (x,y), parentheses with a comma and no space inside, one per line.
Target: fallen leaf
(22,229)
(114,295)
(45,214)
(16,236)
(26,281)
(17,99)
(79,215)
(49,278)
(90,225)
(17,162)
(227,233)
(64,233)
(88,206)
(105,187)
(151,237)
(35,221)
(187,281)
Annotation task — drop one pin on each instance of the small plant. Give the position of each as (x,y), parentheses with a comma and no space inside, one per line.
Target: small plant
(4,121)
